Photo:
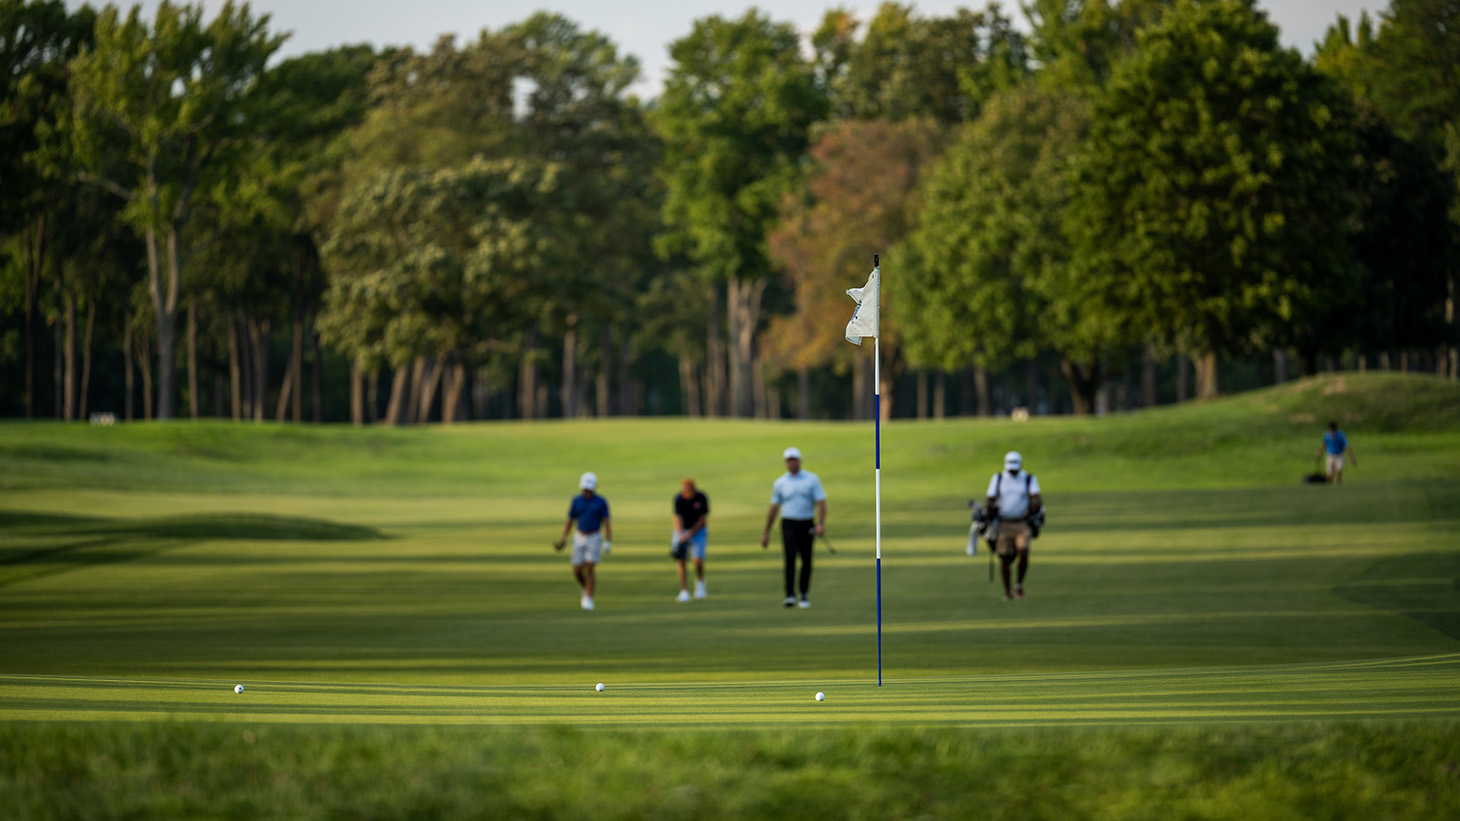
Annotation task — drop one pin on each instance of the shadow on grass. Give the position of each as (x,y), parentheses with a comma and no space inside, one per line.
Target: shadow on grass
(1422,586)
(41,544)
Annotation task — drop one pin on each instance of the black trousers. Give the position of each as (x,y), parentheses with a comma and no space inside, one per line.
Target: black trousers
(797,538)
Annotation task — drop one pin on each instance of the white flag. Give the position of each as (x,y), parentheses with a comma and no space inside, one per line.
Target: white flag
(864,318)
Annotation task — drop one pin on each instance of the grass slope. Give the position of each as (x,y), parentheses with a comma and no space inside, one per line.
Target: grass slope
(402,579)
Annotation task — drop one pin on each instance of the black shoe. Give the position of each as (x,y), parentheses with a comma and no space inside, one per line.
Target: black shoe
(790,601)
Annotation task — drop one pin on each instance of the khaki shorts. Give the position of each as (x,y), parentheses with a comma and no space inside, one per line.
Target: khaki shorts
(587,547)
(1012,536)
(1335,462)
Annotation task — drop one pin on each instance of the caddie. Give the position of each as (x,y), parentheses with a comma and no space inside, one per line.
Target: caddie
(1013,502)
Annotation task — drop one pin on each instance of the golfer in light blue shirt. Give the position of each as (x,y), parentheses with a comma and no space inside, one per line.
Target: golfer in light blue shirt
(801,502)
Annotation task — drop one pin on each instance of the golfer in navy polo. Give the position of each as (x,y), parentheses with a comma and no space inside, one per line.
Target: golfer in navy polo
(593,537)
(797,495)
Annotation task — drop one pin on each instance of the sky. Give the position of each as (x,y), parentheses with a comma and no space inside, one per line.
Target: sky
(644,28)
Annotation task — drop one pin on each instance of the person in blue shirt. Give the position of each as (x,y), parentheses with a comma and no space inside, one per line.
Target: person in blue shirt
(1335,446)
(592,539)
(796,495)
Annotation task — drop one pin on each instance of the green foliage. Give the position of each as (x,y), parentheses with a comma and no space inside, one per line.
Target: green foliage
(1213,197)
(1299,770)
(735,118)
(440,262)
(905,66)
(991,273)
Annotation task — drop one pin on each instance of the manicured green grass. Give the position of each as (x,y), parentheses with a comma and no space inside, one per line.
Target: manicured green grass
(1205,635)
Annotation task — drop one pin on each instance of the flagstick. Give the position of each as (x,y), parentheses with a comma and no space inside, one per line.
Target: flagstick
(877,435)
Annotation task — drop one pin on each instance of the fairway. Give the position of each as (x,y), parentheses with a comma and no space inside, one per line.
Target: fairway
(405,578)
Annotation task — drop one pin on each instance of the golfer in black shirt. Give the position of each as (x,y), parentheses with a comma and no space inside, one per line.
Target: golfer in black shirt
(691,517)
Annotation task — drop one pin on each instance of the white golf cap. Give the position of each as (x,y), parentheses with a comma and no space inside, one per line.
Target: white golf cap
(1013,461)
(791,453)
(588,482)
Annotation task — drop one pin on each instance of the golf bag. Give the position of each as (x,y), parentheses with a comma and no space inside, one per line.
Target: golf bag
(984,527)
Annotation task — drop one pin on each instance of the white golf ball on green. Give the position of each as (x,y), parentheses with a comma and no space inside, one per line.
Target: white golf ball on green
(238,688)
(599,688)
(821,696)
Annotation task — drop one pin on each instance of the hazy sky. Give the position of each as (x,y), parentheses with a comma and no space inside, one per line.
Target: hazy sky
(643,29)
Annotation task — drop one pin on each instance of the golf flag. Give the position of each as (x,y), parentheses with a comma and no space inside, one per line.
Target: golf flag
(864,323)
(864,318)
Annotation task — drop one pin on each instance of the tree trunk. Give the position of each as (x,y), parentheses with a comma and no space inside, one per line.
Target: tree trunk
(1084,381)
(144,364)
(357,394)
(397,396)
(192,354)
(568,390)
(758,391)
(940,395)
(803,393)
(296,363)
(743,300)
(33,251)
(372,395)
(285,390)
(626,384)
(451,393)
(433,372)
(1206,376)
(861,391)
(688,384)
(259,336)
(1181,391)
(603,386)
(86,358)
(922,378)
(68,392)
(714,358)
(412,398)
(317,383)
(981,390)
(127,331)
(1280,365)
(163,287)
(527,375)
(235,373)
(1148,378)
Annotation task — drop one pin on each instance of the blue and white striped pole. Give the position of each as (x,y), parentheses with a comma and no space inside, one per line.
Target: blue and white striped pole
(877,435)
(877,468)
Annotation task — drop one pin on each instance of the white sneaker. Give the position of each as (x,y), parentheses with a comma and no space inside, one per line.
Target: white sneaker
(586,602)
(805,603)
(790,601)
(699,589)
(682,597)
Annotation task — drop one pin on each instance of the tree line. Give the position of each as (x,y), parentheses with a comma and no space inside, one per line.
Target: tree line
(1079,214)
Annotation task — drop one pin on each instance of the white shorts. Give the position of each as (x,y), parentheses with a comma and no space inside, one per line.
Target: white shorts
(587,547)
(1335,462)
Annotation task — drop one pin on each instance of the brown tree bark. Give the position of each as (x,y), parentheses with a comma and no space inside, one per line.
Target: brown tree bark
(803,393)
(127,331)
(357,394)
(317,383)
(688,384)
(144,364)
(714,358)
(397,399)
(1206,376)
(192,343)
(743,301)
(33,251)
(940,395)
(527,375)
(259,337)
(568,389)
(451,399)
(235,371)
(296,365)
(602,384)
(85,387)
(982,392)
(68,391)
(431,377)
(285,390)
(1084,381)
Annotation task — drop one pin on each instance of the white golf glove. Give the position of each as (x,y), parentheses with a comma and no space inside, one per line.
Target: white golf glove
(607,548)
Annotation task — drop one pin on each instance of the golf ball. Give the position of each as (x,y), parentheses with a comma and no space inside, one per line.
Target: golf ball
(821,696)
(599,688)
(238,688)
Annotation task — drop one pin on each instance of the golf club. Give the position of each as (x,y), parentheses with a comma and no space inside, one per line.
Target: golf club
(824,541)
